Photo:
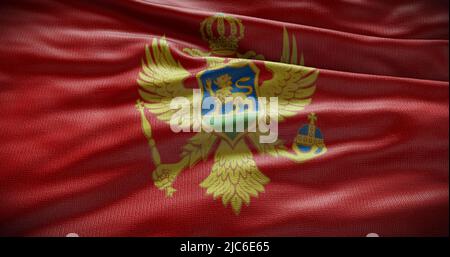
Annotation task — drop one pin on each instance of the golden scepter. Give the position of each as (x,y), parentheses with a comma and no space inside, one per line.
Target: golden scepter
(163,174)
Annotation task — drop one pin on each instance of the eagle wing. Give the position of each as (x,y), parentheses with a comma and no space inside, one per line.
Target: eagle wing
(161,79)
(294,85)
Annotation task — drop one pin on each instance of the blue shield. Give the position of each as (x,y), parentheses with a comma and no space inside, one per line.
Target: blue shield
(236,81)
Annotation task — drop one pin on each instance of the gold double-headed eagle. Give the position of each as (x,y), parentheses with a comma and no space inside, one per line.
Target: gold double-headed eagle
(235,177)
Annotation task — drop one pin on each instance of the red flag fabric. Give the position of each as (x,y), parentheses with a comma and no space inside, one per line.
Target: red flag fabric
(75,156)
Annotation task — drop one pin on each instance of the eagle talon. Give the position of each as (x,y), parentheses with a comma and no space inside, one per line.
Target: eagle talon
(169,191)
(165,174)
(139,105)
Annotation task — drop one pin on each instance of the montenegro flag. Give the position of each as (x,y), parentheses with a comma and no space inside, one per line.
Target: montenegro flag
(214,118)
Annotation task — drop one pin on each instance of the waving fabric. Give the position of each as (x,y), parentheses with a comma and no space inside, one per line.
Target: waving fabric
(86,146)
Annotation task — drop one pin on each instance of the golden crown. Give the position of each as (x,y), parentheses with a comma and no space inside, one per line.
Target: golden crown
(222,32)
